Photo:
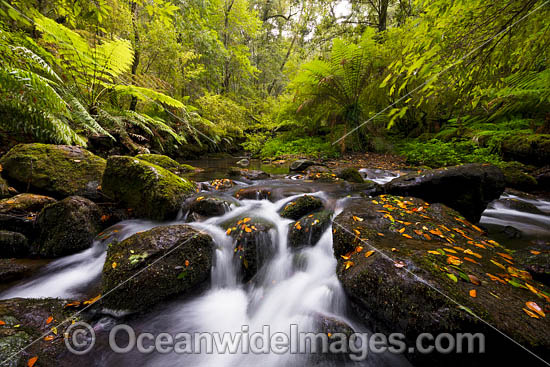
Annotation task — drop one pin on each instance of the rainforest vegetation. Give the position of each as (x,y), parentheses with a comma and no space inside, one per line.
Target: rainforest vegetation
(442,82)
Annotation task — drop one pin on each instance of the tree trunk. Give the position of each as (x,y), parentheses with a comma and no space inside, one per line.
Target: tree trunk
(135,64)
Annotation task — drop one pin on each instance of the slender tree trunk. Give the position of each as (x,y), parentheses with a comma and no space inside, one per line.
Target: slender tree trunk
(383,15)
(135,64)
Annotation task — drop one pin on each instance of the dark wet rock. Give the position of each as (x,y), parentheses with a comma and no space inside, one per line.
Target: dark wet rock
(55,170)
(542,176)
(67,226)
(149,190)
(18,213)
(318,169)
(300,165)
(536,260)
(243,162)
(349,174)
(13,244)
(5,191)
(387,297)
(220,184)
(254,193)
(369,188)
(185,266)
(168,163)
(251,175)
(527,148)
(308,230)
(467,188)
(520,205)
(512,232)
(516,178)
(322,177)
(11,270)
(202,206)
(25,322)
(301,206)
(253,243)
(334,329)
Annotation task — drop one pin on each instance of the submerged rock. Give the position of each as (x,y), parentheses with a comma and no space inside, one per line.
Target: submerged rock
(13,244)
(56,170)
(167,163)
(300,165)
(162,262)
(448,257)
(252,242)
(202,206)
(520,205)
(301,206)
(467,188)
(67,226)
(18,214)
(308,230)
(149,190)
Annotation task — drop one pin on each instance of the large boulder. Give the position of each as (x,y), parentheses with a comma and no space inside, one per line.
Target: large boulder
(18,213)
(167,163)
(55,170)
(67,226)
(253,243)
(349,174)
(467,188)
(13,244)
(149,190)
(301,206)
(411,267)
(153,265)
(308,230)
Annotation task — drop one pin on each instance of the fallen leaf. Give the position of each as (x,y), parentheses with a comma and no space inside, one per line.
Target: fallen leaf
(535,252)
(434,252)
(359,249)
(470,252)
(506,256)
(248,229)
(228,231)
(186,263)
(471,260)
(2,322)
(534,307)
(49,320)
(48,338)
(531,314)
(401,230)
(453,260)
(54,330)
(406,235)
(246,220)
(369,253)
(498,264)
(32,361)
(380,234)
(113,265)
(92,300)
(452,277)
(348,264)
(357,219)
(473,293)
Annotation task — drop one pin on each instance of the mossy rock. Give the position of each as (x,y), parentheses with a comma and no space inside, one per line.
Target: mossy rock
(300,165)
(4,189)
(18,213)
(202,206)
(149,190)
(385,293)
(308,230)
(252,242)
(25,327)
(167,163)
(527,148)
(349,174)
(160,263)
(301,206)
(67,226)
(55,170)
(13,244)
(516,178)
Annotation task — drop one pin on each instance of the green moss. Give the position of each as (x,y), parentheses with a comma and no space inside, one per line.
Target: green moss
(350,174)
(516,178)
(166,163)
(149,190)
(527,148)
(56,170)
(301,206)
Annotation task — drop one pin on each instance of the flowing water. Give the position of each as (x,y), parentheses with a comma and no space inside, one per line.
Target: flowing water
(297,287)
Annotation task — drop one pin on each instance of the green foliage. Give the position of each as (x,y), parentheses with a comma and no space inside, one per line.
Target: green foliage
(310,146)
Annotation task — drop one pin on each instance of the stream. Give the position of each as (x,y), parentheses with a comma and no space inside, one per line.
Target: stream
(284,292)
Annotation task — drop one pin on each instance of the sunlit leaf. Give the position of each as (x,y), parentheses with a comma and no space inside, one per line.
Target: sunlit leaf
(473,293)
(534,307)
(369,253)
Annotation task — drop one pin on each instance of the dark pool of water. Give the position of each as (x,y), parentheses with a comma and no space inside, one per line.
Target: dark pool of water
(218,167)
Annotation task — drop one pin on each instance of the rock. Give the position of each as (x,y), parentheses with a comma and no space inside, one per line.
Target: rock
(520,205)
(149,190)
(542,176)
(512,232)
(369,188)
(349,174)
(243,162)
(252,242)
(309,229)
(55,170)
(18,213)
(10,270)
(185,266)
(318,169)
(217,185)
(254,193)
(301,206)
(22,336)
(167,163)
(202,206)
(300,165)
(536,260)
(517,179)
(385,295)
(4,189)
(467,188)
(252,175)
(67,227)
(13,244)
(527,148)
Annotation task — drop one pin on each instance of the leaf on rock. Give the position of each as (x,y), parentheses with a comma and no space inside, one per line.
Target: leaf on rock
(452,277)
(534,307)
(31,362)
(369,253)
(49,320)
(348,264)
(473,293)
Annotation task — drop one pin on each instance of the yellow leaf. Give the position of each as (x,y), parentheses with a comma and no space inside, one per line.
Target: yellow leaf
(113,265)
(357,219)
(228,231)
(248,229)
(470,252)
(406,235)
(357,232)
(348,264)
(401,230)
(246,220)
(450,250)
(90,301)
(454,260)
(499,264)
(380,234)
(369,253)
(473,293)
(54,330)
(433,252)
(200,198)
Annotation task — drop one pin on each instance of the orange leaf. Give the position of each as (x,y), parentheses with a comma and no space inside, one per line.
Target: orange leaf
(186,263)
(473,293)
(357,219)
(248,229)
(2,322)
(92,300)
(380,234)
(406,235)
(534,307)
(506,256)
(427,236)
(228,231)
(359,249)
(454,260)
(470,260)
(495,278)
(48,338)
(470,252)
(49,320)
(348,264)
(535,252)
(530,313)
(474,279)
(246,220)
(32,361)
(369,253)
(401,230)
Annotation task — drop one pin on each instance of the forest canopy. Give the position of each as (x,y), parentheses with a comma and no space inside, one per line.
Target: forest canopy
(443,82)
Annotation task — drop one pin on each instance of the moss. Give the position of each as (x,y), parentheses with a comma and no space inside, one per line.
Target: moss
(149,190)
(301,206)
(527,148)
(308,230)
(350,174)
(167,163)
(516,178)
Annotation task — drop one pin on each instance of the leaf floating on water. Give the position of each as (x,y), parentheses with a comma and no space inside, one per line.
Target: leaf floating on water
(452,277)
(473,293)
(348,264)
(531,314)
(49,320)
(357,219)
(31,362)
(369,253)
(534,307)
